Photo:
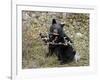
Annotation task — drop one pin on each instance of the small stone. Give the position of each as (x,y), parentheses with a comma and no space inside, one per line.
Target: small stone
(79,34)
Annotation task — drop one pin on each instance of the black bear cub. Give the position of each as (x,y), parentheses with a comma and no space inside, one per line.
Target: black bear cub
(61,48)
(59,43)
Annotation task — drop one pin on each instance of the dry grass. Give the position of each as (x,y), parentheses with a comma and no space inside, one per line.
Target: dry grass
(33,50)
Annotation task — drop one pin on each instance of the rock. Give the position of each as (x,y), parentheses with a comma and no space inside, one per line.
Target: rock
(79,34)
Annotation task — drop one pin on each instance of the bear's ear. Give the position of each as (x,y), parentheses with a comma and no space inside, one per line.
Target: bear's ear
(62,25)
(54,21)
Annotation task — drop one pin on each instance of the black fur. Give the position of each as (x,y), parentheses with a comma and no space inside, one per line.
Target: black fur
(65,53)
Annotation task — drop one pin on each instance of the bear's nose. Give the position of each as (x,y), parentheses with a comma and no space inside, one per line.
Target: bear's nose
(55,31)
